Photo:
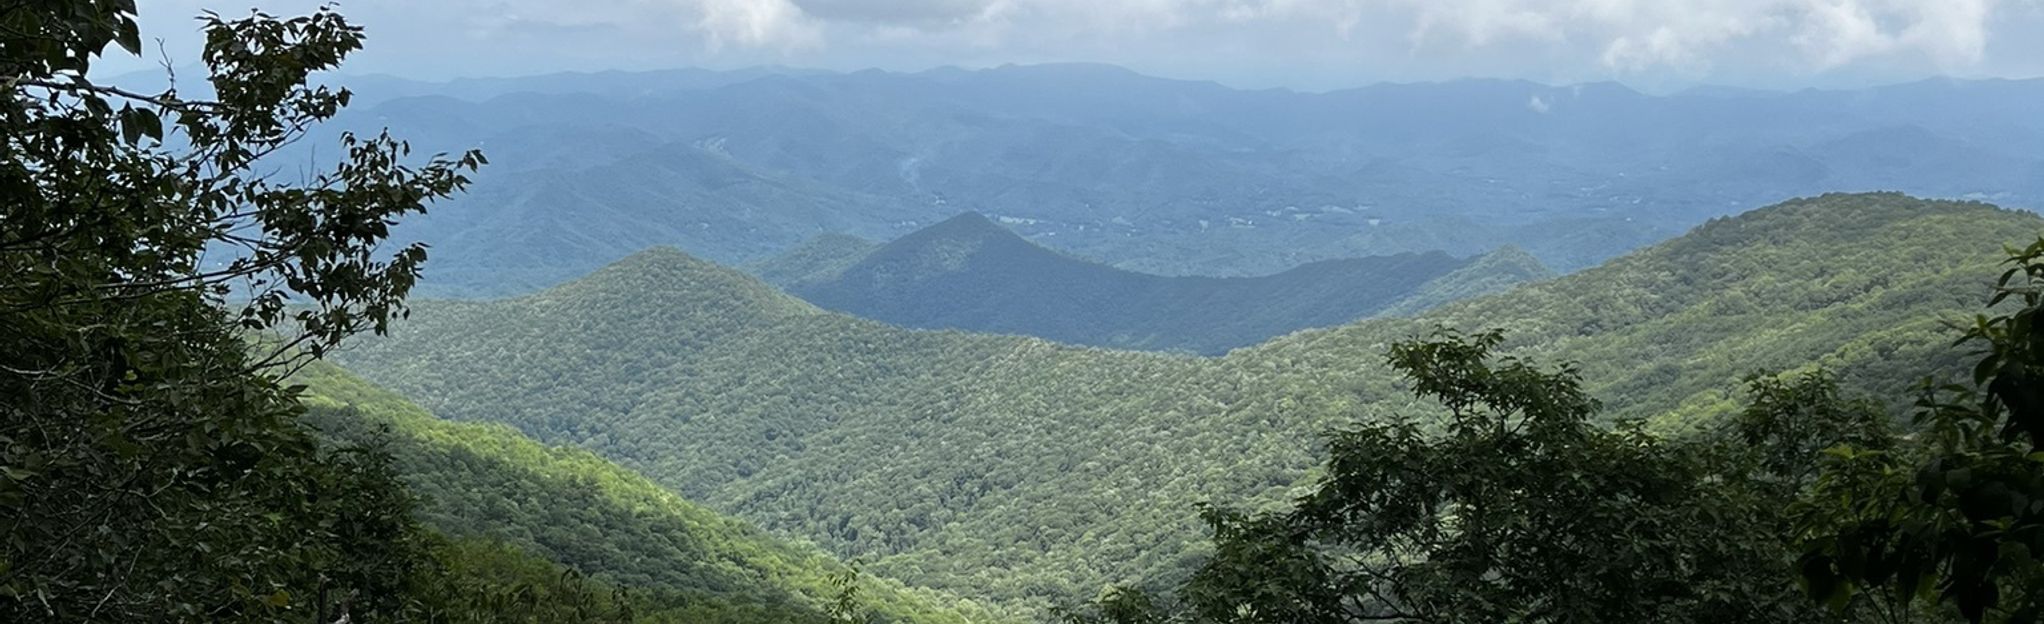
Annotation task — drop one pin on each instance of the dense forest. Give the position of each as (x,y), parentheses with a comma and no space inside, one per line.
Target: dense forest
(1023,471)
(164,297)
(816,259)
(490,487)
(1806,505)
(1829,409)
(972,274)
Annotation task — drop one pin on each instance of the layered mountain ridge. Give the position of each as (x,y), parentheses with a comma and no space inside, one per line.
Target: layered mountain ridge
(1026,472)
(1155,175)
(576,512)
(970,273)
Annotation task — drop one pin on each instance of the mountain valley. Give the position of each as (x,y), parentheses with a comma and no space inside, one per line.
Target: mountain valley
(929,453)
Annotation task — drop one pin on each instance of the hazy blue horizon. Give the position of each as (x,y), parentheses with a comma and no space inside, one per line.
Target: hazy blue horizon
(343,76)
(1305,45)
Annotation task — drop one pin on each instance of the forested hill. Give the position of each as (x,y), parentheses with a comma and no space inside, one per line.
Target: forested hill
(1025,471)
(1491,273)
(969,273)
(568,509)
(816,259)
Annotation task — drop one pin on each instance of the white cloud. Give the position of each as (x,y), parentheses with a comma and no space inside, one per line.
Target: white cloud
(1953,32)
(1572,39)
(756,24)
(1483,22)
(1639,35)
(1620,35)
(1839,31)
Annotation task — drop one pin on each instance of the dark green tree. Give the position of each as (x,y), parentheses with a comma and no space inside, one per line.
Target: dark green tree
(846,607)
(151,463)
(1955,514)
(1520,507)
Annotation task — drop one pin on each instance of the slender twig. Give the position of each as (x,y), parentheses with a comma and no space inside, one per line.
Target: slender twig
(167,102)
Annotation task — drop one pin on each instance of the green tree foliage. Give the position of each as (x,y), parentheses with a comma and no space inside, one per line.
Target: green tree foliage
(846,607)
(817,259)
(1520,507)
(504,496)
(481,581)
(1513,513)
(1032,473)
(1489,274)
(151,467)
(1956,513)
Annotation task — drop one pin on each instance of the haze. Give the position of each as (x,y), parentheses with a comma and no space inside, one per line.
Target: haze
(1022,311)
(1654,45)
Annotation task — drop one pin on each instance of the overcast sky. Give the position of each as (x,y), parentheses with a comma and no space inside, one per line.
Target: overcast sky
(1306,44)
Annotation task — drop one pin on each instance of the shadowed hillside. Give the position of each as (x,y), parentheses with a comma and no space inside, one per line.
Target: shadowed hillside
(817,259)
(969,273)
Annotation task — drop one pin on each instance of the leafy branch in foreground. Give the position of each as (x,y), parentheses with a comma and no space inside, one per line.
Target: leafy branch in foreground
(1520,508)
(152,468)
(1956,515)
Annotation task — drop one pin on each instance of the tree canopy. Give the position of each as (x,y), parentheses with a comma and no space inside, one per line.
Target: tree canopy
(153,467)
(1022,471)
(1518,508)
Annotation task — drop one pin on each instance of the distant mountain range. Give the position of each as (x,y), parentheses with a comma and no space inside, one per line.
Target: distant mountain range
(1028,473)
(1154,175)
(969,273)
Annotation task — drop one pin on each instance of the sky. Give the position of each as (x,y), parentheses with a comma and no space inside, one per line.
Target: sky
(1300,44)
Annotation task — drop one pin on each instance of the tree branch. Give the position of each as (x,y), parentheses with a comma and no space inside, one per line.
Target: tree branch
(79,85)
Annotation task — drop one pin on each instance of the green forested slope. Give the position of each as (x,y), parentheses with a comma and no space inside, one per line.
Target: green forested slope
(500,494)
(1488,274)
(969,273)
(1025,471)
(816,259)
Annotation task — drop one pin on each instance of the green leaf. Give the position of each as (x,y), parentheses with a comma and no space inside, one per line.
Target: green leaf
(130,37)
(140,122)
(131,131)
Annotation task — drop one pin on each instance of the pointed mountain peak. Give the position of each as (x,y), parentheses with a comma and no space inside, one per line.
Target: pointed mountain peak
(969,221)
(1514,260)
(666,277)
(658,257)
(660,263)
(950,246)
(835,239)
(819,258)
(964,228)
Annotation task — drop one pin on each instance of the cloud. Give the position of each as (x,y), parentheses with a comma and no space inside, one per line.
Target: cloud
(894,11)
(1640,35)
(756,24)
(1552,39)
(1482,22)
(1619,35)
(709,24)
